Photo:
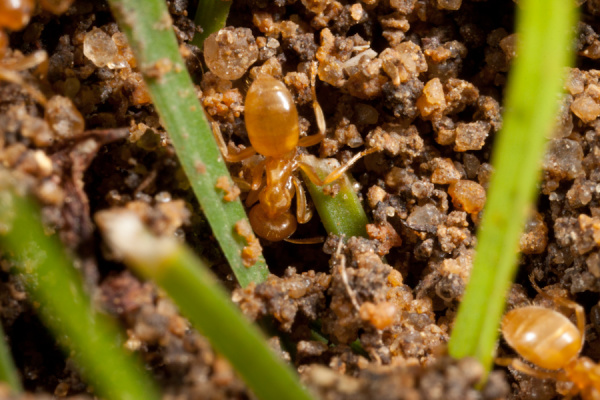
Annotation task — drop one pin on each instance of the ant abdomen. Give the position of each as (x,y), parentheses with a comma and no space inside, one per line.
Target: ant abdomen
(272,228)
(542,336)
(271,117)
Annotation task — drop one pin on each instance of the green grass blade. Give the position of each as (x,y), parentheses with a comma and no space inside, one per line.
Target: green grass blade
(199,296)
(211,16)
(342,214)
(53,283)
(148,27)
(545,29)
(8,372)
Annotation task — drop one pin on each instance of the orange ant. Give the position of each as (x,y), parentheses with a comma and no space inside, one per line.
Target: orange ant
(549,340)
(272,124)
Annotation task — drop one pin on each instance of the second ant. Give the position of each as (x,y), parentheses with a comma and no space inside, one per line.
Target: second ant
(550,341)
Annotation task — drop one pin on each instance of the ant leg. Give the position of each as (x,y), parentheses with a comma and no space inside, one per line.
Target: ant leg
(257,175)
(252,198)
(303,212)
(243,185)
(528,370)
(242,155)
(311,140)
(319,116)
(334,175)
(577,308)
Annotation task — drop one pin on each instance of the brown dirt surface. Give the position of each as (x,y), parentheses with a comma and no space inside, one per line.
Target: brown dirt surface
(420,80)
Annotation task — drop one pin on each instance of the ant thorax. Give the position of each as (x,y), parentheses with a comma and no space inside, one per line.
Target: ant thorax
(276,196)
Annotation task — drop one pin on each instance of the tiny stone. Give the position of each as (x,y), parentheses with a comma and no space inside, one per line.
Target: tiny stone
(379,315)
(311,348)
(425,218)
(99,47)
(509,45)
(422,189)
(535,236)
(64,118)
(563,159)
(575,82)
(449,4)
(403,6)
(586,108)
(432,100)
(580,194)
(375,195)
(484,173)
(445,172)
(398,177)
(471,164)
(468,196)
(316,6)
(366,114)
(593,264)
(471,136)
(230,52)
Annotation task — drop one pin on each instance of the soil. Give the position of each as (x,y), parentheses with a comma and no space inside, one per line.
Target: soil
(421,80)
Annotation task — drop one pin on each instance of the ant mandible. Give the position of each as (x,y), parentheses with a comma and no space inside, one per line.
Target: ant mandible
(549,340)
(272,124)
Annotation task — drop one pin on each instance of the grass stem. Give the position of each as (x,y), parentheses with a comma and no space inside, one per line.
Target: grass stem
(342,214)
(545,32)
(8,371)
(211,16)
(189,282)
(56,290)
(149,30)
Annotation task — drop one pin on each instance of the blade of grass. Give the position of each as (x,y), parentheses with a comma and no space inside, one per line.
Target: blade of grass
(199,296)
(149,30)
(57,292)
(211,16)
(342,214)
(545,29)
(8,372)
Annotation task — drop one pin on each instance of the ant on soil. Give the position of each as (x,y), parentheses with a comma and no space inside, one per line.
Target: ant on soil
(549,340)
(272,124)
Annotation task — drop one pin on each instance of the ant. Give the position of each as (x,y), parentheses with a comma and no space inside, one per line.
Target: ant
(549,340)
(272,123)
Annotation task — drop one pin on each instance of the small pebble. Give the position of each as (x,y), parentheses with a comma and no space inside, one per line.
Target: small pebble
(230,52)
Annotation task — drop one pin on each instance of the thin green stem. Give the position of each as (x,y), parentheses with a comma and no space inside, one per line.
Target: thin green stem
(211,16)
(56,289)
(342,214)
(545,29)
(199,296)
(149,29)
(8,371)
